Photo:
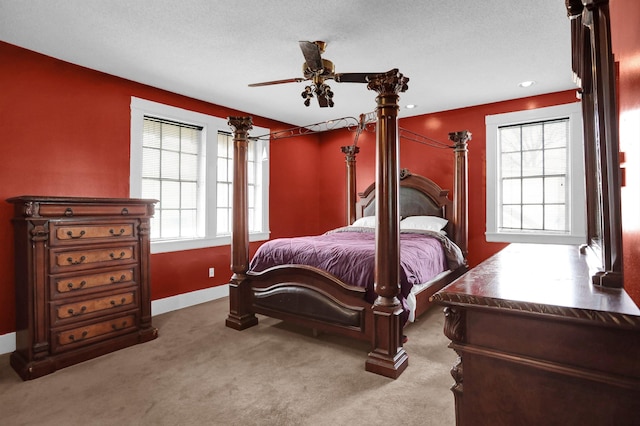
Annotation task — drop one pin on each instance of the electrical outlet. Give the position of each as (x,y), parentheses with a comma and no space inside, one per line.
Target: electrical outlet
(212,272)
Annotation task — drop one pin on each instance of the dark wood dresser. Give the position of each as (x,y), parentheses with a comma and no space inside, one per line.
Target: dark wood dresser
(81,279)
(538,344)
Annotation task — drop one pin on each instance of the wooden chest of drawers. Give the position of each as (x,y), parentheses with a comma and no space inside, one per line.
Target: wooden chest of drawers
(82,279)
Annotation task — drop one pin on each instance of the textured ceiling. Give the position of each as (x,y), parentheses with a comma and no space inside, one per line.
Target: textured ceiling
(456,53)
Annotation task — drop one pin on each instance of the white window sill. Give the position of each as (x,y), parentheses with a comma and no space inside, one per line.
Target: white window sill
(537,238)
(167,246)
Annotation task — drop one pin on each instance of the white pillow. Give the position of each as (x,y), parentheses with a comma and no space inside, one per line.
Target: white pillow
(365,222)
(427,223)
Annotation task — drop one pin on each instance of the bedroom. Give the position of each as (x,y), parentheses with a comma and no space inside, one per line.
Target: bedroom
(90,122)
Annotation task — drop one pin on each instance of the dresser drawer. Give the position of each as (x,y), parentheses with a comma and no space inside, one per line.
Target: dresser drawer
(72,285)
(65,311)
(79,233)
(92,332)
(62,209)
(77,258)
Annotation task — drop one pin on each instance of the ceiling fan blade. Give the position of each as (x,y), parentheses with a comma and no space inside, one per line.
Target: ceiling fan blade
(354,77)
(312,55)
(288,80)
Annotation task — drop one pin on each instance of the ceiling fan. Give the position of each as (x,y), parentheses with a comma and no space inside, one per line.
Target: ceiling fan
(317,70)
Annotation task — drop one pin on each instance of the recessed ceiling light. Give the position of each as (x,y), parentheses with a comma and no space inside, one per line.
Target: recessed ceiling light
(411,106)
(527,83)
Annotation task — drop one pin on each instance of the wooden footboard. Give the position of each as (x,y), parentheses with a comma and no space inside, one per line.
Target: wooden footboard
(309,297)
(315,299)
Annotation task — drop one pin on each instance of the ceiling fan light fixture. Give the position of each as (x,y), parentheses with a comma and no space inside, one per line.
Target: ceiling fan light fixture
(317,69)
(307,94)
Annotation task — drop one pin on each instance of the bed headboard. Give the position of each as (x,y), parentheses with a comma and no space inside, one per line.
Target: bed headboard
(419,196)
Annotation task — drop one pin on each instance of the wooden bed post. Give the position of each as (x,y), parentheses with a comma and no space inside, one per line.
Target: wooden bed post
(350,158)
(388,357)
(460,211)
(240,316)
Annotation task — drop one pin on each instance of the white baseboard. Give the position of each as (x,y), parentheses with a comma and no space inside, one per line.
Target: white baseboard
(7,343)
(158,307)
(184,300)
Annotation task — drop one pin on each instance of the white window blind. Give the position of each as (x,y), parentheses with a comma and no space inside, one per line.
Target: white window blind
(170,171)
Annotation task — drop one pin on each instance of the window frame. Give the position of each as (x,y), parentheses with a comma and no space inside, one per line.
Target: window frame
(575,175)
(211,126)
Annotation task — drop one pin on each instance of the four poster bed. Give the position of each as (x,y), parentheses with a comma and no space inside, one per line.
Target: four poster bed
(371,297)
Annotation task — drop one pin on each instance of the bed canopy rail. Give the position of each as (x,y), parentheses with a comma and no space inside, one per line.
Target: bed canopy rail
(349,123)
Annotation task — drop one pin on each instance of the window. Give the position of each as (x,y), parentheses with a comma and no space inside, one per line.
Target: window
(184,159)
(256,157)
(535,176)
(171,154)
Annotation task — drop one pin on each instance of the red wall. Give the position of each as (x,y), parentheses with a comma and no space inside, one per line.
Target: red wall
(625,39)
(432,162)
(65,131)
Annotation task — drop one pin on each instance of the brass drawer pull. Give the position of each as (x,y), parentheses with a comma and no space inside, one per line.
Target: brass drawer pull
(116,234)
(114,303)
(82,336)
(76,262)
(70,234)
(70,311)
(113,256)
(122,278)
(71,287)
(68,212)
(115,326)
(125,211)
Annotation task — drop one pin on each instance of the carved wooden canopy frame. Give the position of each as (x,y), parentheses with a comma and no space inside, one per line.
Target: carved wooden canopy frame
(594,69)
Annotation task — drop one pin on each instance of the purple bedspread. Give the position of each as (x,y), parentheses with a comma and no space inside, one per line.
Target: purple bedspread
(349,254)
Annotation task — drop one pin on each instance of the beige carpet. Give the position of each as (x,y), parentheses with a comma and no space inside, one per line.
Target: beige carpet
(199,372)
